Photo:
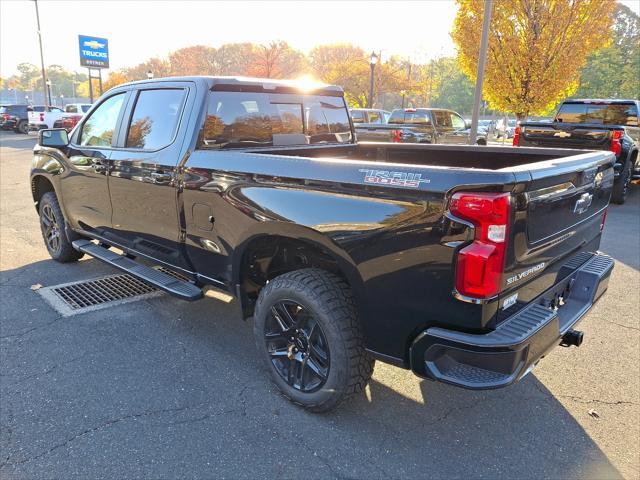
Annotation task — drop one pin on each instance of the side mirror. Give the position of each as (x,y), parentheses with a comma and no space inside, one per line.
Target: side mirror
(53,137)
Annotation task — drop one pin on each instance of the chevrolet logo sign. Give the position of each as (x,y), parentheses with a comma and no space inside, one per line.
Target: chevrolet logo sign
(94,44)
(562,134)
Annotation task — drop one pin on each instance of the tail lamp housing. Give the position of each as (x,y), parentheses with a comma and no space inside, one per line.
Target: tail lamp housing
(480,265)
(616,142)
(396,136)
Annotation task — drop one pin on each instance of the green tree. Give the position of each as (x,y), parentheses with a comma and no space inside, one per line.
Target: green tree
(614,71)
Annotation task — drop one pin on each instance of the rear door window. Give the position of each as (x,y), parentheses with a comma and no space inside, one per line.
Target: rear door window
(155,118)
(357,117)
(442,118)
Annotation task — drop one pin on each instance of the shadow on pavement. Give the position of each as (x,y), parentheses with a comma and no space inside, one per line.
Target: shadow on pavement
(623,221)
(167,389)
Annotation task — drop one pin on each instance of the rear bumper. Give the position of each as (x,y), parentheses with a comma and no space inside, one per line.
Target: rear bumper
(505,355)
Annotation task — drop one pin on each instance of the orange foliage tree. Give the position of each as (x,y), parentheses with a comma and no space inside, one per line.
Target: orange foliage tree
(536,48)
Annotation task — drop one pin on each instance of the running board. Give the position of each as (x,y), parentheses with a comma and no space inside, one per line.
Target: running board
(178,288)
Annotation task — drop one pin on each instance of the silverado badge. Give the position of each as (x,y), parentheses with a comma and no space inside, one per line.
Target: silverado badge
(395,179)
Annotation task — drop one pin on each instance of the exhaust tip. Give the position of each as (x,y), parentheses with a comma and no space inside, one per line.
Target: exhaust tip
(572,338)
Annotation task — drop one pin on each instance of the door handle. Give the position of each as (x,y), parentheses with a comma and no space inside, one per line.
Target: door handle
(161,177)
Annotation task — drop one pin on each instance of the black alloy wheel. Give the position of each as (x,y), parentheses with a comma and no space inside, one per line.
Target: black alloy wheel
(297,346)
(51,229)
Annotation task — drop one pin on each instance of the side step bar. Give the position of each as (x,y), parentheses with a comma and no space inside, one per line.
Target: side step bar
(178,288)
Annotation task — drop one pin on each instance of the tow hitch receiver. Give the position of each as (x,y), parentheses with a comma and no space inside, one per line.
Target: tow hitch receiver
(572,337)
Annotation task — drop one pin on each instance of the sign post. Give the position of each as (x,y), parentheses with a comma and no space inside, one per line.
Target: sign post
(94,54)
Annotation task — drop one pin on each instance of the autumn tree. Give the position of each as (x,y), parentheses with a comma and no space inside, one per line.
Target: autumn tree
(196,60)
(233,59)
(276,60)
(536,48)
(614,71)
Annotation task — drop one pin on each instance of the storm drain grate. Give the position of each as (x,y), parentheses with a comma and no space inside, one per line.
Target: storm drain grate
(94,292)
(86,295)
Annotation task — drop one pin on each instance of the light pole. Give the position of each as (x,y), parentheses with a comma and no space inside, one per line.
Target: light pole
(149,75)
(44,75)
(62,100)
(26,99)
(49,92)
(482,58)
(373,59)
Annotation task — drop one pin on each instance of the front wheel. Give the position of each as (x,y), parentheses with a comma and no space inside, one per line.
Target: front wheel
(621,185)
(53,230)
(307,331)
(22,127)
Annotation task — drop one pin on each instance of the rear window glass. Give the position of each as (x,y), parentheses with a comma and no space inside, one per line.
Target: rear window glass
(598,113)
(251,119)
(400,116)
(155,118)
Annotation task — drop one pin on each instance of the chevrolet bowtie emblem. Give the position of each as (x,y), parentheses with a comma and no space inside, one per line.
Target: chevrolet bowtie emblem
(94,44)
(562,134)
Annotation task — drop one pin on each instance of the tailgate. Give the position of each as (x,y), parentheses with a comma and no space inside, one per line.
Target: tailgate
(563,135)
(557,219)
(35,117)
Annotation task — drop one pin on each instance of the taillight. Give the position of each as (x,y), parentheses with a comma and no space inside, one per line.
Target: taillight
(396,136)
(603,219)
(42,116)
(616,144)
(481,264)
(5,117)
(516,136)
(70,122)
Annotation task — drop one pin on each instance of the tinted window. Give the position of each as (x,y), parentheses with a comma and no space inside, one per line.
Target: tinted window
(410,116)
(99,128)
(39,108)
(85,108)
(374,117)
(248,119)
(443,119)
(357,117)
(72,109)
(457,121)
(603,113)
(155,118)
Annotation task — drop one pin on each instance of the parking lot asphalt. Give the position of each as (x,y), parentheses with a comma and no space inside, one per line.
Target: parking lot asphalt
(161,388)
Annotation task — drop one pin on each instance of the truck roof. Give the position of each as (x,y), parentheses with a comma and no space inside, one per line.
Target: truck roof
(599,100)
(253,84)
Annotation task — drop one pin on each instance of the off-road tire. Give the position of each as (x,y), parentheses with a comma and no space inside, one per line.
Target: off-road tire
(621,185)
(63,252)
(22,127)
(329,299)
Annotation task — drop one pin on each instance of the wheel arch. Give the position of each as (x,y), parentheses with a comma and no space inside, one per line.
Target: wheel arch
(40,185)
(272,240)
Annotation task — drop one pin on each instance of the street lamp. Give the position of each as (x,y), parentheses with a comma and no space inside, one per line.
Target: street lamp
(49,90)
(150,75)
(373,59)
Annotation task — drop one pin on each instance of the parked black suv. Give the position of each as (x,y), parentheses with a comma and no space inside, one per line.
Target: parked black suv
(15,117)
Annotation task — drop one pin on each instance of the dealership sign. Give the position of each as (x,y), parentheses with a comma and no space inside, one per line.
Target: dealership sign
(94,52)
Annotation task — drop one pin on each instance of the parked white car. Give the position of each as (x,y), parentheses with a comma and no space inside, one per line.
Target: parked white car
(47,119)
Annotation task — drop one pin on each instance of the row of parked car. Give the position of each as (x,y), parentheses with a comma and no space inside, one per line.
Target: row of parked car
(425,125)
(23,118)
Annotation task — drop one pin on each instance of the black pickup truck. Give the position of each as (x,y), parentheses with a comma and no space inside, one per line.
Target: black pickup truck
(594,125)
(464,264)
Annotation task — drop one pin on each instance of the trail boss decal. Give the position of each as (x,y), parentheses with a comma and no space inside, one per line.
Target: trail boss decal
(396,179)
(526,273)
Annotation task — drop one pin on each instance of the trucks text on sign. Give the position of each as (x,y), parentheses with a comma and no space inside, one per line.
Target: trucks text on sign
(94,51)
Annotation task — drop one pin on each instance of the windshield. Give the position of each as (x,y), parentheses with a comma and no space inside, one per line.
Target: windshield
(85,108)
(249,119)
(600,113)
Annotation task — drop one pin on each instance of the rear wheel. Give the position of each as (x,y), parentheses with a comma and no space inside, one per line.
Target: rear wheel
(22,127)
(621,185)
(307,331)
(54,234)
